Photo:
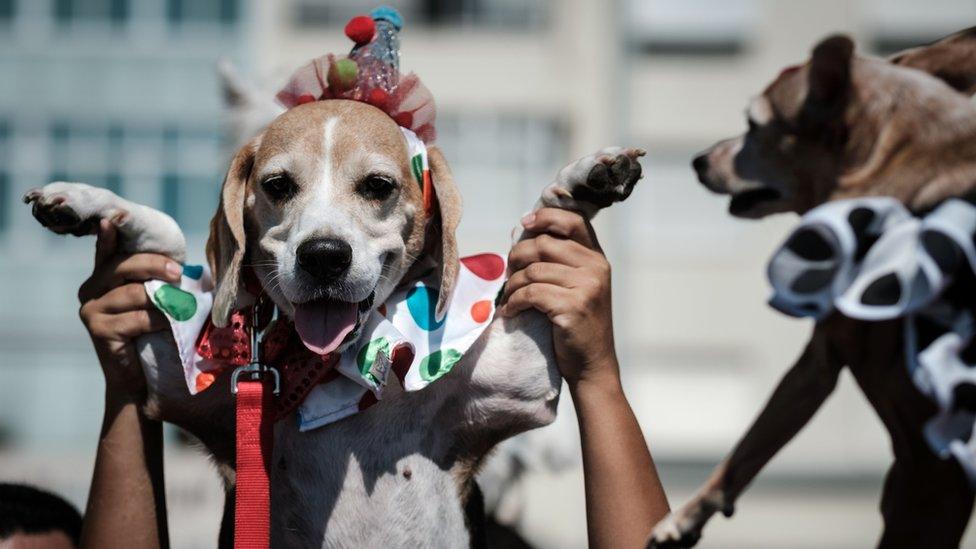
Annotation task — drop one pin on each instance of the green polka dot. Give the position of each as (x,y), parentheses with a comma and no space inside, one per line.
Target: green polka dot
(367,356)
(178,304)
(438,363)
(193,271)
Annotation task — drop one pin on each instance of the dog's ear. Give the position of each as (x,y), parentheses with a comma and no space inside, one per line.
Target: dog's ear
(830,70)
(951,59)
(442,243)
(226,245)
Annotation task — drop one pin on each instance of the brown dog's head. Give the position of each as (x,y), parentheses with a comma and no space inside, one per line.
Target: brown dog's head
(325,209)
(843,126)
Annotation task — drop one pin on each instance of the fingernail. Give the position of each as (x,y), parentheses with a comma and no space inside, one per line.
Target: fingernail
(173,269)
(528,219)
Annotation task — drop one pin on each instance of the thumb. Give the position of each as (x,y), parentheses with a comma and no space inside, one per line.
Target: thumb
(108,237)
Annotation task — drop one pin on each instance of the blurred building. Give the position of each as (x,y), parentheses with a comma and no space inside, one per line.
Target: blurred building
(123,93)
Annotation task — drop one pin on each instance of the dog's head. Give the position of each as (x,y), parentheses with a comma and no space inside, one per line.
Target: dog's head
(325,209)
(843,126)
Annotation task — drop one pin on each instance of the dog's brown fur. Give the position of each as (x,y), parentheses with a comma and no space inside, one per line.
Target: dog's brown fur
(844,126)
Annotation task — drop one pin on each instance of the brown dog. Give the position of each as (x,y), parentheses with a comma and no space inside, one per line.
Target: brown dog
(846,126)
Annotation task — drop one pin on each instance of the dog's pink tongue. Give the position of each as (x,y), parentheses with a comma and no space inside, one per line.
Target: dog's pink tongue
(323,325)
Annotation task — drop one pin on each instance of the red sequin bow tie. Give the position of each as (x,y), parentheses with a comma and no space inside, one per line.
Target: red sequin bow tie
(300,369)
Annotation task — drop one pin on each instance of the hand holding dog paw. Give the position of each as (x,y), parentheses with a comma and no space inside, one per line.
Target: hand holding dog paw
(115,308)
(559,269)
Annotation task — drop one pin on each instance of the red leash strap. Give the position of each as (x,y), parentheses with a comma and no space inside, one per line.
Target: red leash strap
(252,506)
(255,386)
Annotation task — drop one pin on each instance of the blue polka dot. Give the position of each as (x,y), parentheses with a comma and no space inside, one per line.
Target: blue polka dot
(193,271)
(422,302)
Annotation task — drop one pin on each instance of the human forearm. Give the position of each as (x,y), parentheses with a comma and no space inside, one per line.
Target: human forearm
(624,496)
(126,502)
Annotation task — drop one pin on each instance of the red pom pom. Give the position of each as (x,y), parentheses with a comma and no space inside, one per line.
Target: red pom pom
(360,29)
(378,98)
(404,119)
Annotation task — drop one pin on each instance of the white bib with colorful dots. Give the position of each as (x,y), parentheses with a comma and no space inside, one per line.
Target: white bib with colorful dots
(405,327)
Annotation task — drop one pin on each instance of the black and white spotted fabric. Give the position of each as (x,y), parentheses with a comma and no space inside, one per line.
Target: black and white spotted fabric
(871,259)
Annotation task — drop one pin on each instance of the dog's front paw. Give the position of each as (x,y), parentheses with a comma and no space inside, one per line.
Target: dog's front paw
(682,528)
(72,208)
(596,181)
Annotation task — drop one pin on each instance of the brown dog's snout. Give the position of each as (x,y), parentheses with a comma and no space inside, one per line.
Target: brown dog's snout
(700,164)
(326,259)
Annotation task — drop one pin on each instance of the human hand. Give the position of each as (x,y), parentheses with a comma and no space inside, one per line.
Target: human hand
(559,269)
(115,308)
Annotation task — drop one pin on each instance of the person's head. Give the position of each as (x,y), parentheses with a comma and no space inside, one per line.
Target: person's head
(35,519)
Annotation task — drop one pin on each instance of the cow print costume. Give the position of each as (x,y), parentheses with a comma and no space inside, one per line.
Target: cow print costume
(871,259)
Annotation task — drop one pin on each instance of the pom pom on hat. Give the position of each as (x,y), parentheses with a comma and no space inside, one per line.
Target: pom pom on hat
(361,29)
(386,13)
(342,74)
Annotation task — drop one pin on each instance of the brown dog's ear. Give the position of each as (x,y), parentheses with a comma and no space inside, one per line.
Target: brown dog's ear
(830,70)
(951,59)
(226,245)
(442,242)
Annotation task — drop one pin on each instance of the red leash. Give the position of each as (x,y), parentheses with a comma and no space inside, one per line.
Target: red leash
(255,431)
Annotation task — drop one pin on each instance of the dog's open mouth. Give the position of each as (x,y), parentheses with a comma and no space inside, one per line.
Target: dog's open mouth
(746,201)
(325,324)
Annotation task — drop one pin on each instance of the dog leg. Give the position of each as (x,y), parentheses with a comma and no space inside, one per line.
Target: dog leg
(77,208)
(797,397)
(927,501)
(595,181)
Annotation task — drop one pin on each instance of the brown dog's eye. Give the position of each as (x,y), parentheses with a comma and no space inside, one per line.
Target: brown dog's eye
(279,186)
(376,187)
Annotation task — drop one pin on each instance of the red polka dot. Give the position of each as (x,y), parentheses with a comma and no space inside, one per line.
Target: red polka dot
(204,380)
(481,310)
(485,266)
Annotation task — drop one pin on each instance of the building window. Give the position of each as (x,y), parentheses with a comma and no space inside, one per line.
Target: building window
(191,184)
(67,12)
(202,11)
(502,159)
(86,154)
(681,27)
(7,10)
(5,199)
(519,14)
(895,25)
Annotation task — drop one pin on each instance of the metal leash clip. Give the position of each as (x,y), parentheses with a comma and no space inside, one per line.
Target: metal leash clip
(255,370)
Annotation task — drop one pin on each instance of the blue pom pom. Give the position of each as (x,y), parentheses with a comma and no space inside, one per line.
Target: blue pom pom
(386,13)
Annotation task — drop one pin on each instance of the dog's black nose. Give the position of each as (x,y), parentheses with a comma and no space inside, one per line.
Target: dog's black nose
(325,258)
(700,163)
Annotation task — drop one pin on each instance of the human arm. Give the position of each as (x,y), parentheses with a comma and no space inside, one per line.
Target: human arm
(560,270)
(126,502)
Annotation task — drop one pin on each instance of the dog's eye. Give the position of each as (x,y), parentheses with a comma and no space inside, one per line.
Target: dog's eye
(279,186)
(376,187)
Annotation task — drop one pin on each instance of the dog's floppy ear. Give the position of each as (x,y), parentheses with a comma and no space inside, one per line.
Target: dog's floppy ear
(226,245)
(442,243)
(951,59)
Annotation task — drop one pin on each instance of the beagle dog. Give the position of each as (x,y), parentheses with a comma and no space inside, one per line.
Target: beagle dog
(901,131)
(322,206)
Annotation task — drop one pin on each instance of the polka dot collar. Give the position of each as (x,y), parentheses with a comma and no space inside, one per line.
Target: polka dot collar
(402,335)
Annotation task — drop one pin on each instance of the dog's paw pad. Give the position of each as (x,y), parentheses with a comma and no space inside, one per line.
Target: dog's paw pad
(610,177)
(56,210)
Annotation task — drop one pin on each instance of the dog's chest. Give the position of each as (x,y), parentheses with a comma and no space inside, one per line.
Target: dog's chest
(382,478)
